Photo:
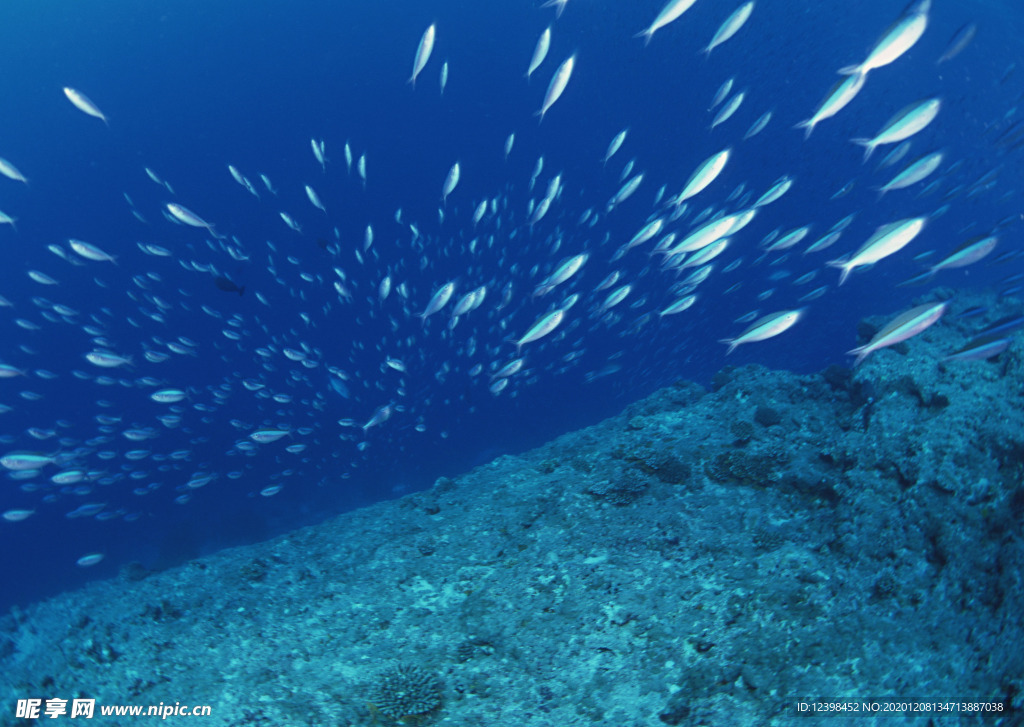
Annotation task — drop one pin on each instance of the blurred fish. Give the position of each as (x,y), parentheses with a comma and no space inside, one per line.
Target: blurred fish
(960,40)
(917,170)
(979,349)
(227,285)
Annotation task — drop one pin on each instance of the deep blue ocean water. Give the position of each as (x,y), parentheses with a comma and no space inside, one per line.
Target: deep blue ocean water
(190,87)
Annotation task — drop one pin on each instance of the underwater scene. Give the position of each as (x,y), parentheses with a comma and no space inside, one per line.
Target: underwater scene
(565,362)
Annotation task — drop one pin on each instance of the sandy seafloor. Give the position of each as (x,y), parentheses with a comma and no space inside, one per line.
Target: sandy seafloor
(705,558)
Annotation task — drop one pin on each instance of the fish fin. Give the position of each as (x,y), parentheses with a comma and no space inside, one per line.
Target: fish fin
(730,342)
(849,70)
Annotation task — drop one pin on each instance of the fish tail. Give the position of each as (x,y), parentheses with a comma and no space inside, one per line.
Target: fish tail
(646,35)
(844,270)
(730,342)
(808,126)
(861,352)
(849,70)
(869,147)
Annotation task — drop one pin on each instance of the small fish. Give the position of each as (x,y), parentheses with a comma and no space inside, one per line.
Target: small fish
(897,39)
(290,221)
(960,40)
(107,359)
(967,253)
(540,52)
(708,233)
(917,170)
(904,326)
(814,294)
(614,145)
(16,516)
(704,175)
(11,172)
(758,126)
(90,252)
(625,191)
(318,152)
(450,182)
(423,52)
(379,417)
(886,240)
(439,300)
(730,27)
(910,120)
(728,109)
(722,92)
(82,103)
(89,560)
(314,199)
(1003,325)
(782,185)
(679,305)
(22,461)
(836,100)
(41,278)
(541,327)
(268,435)
(979,349)
(187,216)
(615,297)
(557,86)
(764,328)
(168,396)
(672,10)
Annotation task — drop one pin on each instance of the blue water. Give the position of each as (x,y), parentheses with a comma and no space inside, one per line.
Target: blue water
(190,87)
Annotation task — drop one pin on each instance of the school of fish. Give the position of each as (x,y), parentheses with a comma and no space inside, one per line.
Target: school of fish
(308,403)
